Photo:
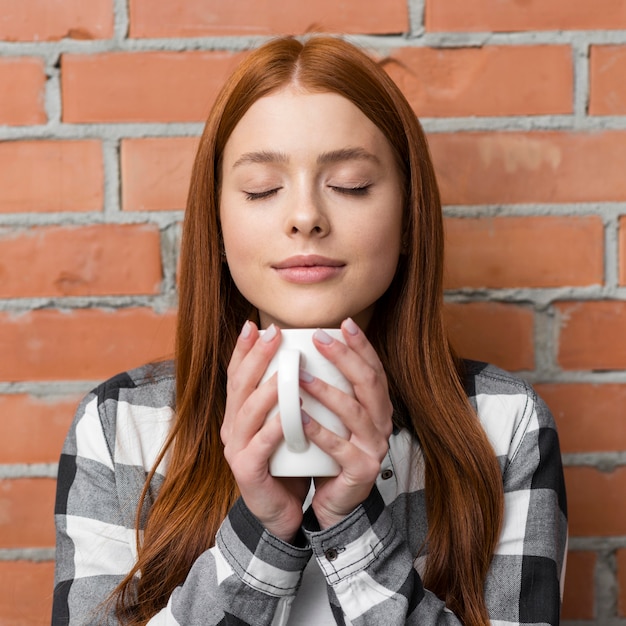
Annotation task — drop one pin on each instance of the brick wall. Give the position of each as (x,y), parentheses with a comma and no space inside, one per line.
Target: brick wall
(525,106)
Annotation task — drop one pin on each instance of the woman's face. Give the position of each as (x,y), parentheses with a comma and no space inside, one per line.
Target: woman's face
(311,210)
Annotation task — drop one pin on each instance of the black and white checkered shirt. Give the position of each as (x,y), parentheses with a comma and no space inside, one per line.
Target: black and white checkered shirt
(368,560)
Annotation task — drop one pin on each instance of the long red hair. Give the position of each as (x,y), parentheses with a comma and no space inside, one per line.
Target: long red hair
(463,490)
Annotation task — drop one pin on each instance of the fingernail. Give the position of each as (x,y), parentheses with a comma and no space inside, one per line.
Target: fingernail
(306,418)
(246,330)
(269,334)
(323,337)
(351,327)
(306,377)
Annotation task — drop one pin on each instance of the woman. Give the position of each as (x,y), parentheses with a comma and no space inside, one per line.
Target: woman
(313,203)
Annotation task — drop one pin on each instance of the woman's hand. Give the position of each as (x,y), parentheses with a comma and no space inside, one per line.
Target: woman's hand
(368,417)
(249,440)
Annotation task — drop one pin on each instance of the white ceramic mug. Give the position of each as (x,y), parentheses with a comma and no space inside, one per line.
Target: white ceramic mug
(296,455)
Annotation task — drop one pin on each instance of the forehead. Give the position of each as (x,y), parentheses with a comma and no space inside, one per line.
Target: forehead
(292,119)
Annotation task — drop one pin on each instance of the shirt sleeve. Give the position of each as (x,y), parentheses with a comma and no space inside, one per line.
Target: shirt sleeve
(530,555)
(370,570)
(248,577)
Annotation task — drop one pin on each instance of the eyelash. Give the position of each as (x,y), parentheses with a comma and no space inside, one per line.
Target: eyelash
(361,190)
(260,195)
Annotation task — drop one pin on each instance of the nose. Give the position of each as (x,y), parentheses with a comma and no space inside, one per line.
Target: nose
(307,216)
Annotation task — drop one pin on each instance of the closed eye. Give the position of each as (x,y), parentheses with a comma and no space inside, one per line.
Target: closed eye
(260,195)
(358,190)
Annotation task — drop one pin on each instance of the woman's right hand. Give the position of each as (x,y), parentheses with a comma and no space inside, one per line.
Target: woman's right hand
(249,440)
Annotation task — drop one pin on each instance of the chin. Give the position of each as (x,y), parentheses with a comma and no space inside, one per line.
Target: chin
(311,324)
(310,321)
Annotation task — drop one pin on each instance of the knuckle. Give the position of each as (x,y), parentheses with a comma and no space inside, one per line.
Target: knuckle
(232,384)
(230,370)
(370,377)
(369,469)
(381,450)
(224,432)
(228,454)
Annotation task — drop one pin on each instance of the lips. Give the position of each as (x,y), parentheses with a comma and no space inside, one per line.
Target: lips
(308,268)
(309,260)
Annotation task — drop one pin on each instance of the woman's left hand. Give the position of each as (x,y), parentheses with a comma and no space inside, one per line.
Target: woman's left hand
(367,417)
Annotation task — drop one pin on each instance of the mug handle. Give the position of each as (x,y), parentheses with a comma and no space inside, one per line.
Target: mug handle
(289,400)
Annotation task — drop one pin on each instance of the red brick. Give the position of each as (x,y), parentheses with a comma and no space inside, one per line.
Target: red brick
(592,335)
(621,581)
(45,176)
(498,16)
(83,344)
(26,593)
(156,172)
(42,20)
(142,86)
(27,506)
(590,417)
(595,502)
(455,82)
(517,167)
(22,84)
(497,333)
(524,251)
(197,18)
(37,427)
(607,93)
(103,259)
(578,600)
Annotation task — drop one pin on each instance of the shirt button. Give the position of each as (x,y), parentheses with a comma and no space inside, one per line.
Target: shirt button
(386,474)
(331,554)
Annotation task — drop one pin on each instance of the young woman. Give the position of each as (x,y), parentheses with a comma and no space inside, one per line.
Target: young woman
(313,203)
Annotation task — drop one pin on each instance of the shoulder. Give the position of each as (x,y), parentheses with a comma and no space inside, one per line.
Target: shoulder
(507,406)
(483,378)
(151,385)
(124,412)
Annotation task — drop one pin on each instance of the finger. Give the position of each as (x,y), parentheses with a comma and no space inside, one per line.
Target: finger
(251,465)
(244,379)
(248,335)
(252,414)
(356,359)
(246,370)
(354,416)
(371,405)
(357,465)
(357,340)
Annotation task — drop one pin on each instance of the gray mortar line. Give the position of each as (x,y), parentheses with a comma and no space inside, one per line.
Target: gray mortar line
(20,306)
(37,555)
(592,544)
(611,252)
(607,210)
(121,23)
(606,586)
(375,42)
(582,90)
(30,470)
(416,10)
(545,344)
(49,390)
(112,178)
(163,219)
(605,462)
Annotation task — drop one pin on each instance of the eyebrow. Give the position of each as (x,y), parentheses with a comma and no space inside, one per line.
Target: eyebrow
(334,156)
(347,154)
(263,156)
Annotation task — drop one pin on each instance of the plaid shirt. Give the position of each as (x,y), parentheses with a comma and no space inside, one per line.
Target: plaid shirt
(368,560)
